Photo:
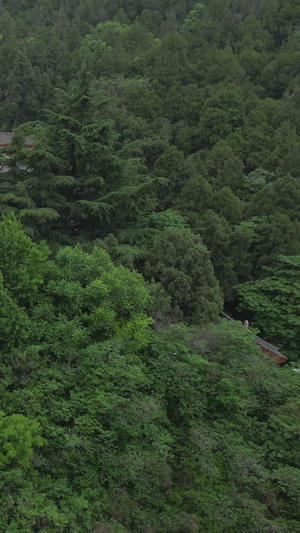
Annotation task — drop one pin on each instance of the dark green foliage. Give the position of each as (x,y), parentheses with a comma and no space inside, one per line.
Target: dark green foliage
(217,236)
(227,205)
(275,300)
(180,262)
(165,134)
(76,177)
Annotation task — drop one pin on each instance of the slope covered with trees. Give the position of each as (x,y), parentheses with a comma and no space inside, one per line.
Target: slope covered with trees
(107,425)
(164,180)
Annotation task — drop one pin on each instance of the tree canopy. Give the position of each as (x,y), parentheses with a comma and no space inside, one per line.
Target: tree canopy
(108,423)
(152,179)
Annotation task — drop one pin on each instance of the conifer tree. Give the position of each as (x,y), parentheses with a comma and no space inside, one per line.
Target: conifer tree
(180,262)
(77,177)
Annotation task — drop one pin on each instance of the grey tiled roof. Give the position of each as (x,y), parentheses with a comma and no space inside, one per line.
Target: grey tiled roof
(5,138)
(269,347)
(261,342)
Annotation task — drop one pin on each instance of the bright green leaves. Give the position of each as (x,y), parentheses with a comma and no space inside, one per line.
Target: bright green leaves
(87,299)
(18,436)
(142,426)
(22,263)
(109,300)
(165,430)
(194,15)
(83,298)
(87,393)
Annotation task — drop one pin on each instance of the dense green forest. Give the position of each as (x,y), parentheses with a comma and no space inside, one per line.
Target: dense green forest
(163,184)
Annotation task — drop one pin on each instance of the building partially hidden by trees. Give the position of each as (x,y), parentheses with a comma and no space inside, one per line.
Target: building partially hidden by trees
(266,347)
(6,136)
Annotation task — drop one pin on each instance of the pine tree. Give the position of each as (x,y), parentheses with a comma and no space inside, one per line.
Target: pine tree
(77,178)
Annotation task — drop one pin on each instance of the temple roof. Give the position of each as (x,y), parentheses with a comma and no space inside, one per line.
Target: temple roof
(5,138)
(264,345)
(269,348)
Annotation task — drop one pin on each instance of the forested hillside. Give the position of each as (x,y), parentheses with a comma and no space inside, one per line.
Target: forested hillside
(163,184)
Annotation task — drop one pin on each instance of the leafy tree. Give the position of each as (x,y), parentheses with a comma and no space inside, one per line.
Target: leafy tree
(219,378)
(32,186)
(194,15)
(18,436)
(255,181)
(170,165)
(217,236)
(222,114)
(14,322)
(87,310)
(108,424)
(232,175)
(275,301)
(69,153)
(22,263)
(27,91)
(273,236)
(226,204)
(111,425)
(195,197)
(217,157)
(240,250)
(180,262)
(23,266)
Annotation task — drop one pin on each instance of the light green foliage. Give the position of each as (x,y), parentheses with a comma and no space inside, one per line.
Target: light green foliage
(256,180)
(23,265)
(139,427)
(107,28)
(22,262)
(167,219)
(88,300)
(219,390)
(84,301)
(18,435)
(193,16)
